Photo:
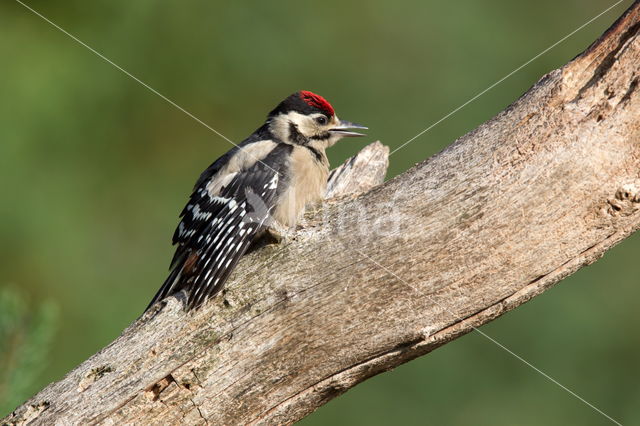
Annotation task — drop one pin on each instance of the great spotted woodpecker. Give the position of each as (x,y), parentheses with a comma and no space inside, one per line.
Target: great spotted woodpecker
(270,176)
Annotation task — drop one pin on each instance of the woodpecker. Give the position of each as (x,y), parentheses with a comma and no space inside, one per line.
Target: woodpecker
(262,183)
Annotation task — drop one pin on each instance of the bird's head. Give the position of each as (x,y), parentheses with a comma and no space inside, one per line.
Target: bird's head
(305,118)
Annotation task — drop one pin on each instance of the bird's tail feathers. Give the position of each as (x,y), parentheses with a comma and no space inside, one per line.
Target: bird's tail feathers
(170,285)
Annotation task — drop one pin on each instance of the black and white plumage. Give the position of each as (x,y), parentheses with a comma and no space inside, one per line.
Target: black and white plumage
(271,176)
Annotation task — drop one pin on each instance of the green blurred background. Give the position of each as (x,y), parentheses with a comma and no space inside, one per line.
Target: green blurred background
(94,169)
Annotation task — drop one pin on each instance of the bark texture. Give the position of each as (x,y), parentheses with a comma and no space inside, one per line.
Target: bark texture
(531,196)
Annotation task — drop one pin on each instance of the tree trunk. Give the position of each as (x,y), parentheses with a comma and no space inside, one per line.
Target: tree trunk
(372,281)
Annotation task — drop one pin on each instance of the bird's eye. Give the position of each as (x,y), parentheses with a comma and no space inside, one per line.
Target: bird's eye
(321,119)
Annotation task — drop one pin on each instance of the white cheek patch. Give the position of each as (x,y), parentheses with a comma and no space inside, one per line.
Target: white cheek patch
(306,125)
(308,128)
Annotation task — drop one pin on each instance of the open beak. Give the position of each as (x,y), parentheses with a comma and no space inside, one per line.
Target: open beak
(343,129)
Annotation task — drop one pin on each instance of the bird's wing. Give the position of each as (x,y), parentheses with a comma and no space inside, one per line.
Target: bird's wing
(215,231)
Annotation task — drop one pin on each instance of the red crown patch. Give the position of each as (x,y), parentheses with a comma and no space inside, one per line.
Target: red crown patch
(317,101)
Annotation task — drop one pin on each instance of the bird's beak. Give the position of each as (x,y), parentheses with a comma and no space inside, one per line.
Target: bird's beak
(342,129)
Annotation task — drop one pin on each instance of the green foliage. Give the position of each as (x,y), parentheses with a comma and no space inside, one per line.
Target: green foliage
(26,332)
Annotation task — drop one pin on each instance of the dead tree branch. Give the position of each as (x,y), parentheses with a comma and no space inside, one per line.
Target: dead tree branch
(539,191)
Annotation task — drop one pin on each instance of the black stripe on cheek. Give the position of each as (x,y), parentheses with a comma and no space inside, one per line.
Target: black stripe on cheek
(295,136)
(323,137)
(314,152)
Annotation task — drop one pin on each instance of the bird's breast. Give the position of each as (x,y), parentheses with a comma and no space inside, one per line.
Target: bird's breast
(308,185)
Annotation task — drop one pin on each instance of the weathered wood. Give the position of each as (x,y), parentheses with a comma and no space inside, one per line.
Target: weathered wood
(542,189)
(359,173)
